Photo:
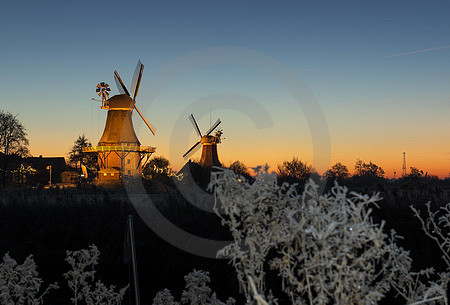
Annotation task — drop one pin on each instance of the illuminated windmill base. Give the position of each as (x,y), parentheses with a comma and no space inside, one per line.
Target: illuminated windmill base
(209,152)
(118,161)
(119,150)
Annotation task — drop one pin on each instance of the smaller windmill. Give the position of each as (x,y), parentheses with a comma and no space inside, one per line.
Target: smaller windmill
(209,143)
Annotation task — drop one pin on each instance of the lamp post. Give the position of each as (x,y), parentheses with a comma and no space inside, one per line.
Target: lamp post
(50,169)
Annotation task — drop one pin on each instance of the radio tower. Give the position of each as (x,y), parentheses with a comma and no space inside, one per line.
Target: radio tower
(404,165)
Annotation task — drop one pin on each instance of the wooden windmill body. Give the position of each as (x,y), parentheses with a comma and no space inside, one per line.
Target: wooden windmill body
(119,151)
(209,143)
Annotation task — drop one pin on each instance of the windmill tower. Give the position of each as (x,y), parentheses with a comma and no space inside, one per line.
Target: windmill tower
(209,143)
(119,150)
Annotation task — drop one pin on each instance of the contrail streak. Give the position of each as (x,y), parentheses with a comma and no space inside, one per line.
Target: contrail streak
(418,51)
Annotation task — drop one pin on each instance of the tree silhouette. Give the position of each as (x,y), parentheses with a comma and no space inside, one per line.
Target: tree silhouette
(13,141)
(13,135)
(370,169)
(240,169)
(158,168)
(158,164)
(415,172)
(295,169)
(337,171)
(78,157)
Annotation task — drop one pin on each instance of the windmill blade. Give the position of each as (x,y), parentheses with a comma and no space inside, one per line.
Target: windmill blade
(120,85)
(194,123)
(192,150)
(136,82)
(213,126)
(150,126)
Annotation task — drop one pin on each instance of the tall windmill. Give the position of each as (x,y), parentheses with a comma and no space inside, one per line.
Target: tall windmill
(119,150)
(209,143)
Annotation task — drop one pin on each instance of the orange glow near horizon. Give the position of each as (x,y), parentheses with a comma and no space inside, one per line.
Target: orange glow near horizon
(433,162)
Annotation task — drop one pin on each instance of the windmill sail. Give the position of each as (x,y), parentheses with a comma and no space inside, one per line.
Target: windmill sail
(192,150)
(120,85)
(135,83)
(194,123)
(213,127)
(150,126)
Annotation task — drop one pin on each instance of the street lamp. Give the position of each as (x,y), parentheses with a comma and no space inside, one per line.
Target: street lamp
(50,169)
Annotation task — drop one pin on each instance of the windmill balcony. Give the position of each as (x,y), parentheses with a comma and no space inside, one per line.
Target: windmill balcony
(124,148)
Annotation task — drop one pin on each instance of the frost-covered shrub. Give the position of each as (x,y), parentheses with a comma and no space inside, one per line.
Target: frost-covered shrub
(81,279)
(437,226)
(256,215)
(196,292)
(20,284)
(327,248)
(164,297)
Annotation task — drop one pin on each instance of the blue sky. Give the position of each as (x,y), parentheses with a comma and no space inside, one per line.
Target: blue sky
(380,72)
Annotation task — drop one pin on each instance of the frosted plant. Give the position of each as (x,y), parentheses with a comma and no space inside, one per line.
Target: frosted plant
(334,252)
(196,292)
(256,216)
(259,298)
(327,248)
(437,226)
(164,297)
(82,276)
(103,295)
(20,284)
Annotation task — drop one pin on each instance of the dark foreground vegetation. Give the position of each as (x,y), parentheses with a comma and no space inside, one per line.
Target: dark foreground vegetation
(47,222)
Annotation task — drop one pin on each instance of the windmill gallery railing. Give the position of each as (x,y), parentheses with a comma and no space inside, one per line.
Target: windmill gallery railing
(122,151)
(124,148)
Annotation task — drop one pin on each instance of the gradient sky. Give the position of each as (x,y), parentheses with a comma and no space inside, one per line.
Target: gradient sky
(379,71)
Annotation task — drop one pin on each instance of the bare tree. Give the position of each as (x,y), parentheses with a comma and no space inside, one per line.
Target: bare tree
(13,140)
(13,135)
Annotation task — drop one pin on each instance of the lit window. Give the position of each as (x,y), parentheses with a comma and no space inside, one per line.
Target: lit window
(104,174)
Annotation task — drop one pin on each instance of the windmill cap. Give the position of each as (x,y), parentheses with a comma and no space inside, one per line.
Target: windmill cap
(207,139)
(121,102)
